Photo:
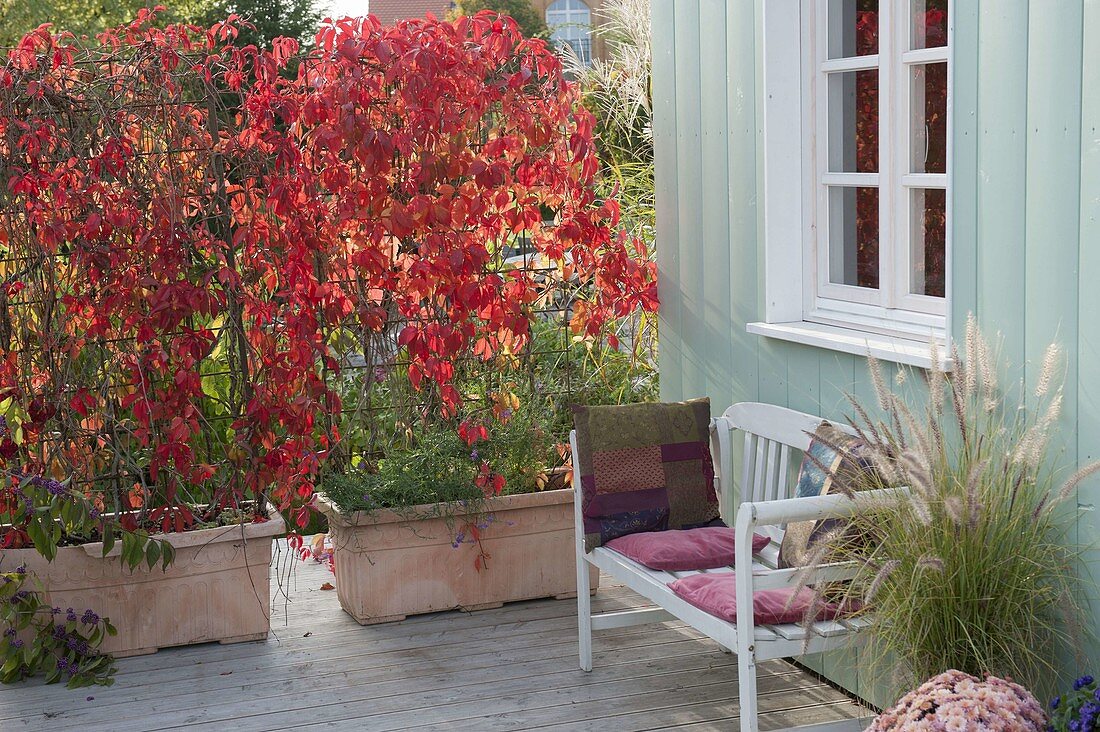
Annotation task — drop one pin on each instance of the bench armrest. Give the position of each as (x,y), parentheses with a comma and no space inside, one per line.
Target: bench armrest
(787,510)
(769,513)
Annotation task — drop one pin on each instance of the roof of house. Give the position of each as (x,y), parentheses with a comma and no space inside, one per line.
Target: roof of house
(391,11)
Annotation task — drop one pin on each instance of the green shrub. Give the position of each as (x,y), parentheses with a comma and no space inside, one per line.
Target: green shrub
(439,469)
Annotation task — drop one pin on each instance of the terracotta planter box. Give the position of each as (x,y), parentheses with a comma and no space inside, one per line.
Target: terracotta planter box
(217,589)
(388,567)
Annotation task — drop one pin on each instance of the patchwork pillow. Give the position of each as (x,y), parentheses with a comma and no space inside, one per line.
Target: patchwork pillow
(676,550)
(716,594)
(644,467)
(822,463)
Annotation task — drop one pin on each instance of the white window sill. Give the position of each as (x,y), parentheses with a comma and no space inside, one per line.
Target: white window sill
(859,343)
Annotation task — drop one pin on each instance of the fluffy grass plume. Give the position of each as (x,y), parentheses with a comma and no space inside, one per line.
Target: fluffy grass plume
(973,571)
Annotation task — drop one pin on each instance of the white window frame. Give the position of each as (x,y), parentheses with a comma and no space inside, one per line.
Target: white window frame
(800,304)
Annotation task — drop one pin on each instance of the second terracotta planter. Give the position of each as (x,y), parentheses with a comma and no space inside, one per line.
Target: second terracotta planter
(393,564)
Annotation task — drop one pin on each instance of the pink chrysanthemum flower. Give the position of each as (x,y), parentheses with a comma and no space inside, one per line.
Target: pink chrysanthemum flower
(962,703)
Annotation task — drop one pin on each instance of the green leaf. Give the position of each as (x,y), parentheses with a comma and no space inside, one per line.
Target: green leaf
(168,555)
(108,542)
(152,553)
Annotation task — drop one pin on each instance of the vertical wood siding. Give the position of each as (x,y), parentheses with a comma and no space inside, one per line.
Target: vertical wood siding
(1025,205)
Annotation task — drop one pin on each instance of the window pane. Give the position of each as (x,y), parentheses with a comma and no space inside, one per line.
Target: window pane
(853,28)
(853,236)
(929,24)
(853,122)
(928,248)
(929,109)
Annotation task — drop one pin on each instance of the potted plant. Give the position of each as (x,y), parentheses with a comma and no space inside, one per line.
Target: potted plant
(159,377)
(974,570)
(477,148)
(1076,710)
(466,519)
(433,529)
(954,700)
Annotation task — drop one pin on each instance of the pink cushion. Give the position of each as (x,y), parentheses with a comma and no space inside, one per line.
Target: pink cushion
(683,550)
(714,593)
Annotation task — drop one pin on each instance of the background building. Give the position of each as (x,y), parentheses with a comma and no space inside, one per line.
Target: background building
(570,21)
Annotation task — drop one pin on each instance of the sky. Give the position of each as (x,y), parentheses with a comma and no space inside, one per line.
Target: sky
(340,8)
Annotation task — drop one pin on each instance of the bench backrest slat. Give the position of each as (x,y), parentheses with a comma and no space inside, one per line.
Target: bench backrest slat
(774,437)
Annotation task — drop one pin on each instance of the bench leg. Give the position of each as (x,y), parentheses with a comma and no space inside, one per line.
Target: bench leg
(746,682)
(584,613)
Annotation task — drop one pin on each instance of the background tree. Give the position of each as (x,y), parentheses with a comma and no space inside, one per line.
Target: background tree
(85,17)
(530,21)
(298,19)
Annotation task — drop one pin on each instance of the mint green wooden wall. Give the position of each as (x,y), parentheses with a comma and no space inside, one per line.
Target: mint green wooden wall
(1026,226)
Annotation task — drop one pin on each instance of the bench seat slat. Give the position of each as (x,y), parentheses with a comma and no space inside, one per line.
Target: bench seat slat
(655,588)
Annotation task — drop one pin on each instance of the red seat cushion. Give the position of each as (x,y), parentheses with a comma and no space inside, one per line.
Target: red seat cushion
(706,547)
(715,594)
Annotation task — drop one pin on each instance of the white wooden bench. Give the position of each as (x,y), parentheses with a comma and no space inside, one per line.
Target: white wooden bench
(774,437)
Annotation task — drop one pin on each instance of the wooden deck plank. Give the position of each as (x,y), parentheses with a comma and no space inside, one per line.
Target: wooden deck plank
(201,661)
(374,682)
(715,717)
(504,669)
(597,706)
(397,665)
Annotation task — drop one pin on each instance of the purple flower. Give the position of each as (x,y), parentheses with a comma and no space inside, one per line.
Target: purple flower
(474,455)
(459,538)
(53,487)
(89,618)
(70,615)
(9,632)
(21,569)
(17,643)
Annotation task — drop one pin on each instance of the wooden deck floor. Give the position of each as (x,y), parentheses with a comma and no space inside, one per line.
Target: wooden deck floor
(514,668)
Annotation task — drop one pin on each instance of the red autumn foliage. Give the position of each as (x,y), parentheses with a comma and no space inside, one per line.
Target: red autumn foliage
(183,229)
(164,340)
(428,146)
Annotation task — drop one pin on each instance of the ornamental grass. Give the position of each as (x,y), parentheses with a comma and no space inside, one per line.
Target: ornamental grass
(973,570)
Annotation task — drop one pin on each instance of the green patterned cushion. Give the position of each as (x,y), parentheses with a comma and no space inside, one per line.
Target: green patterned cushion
(644,467)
